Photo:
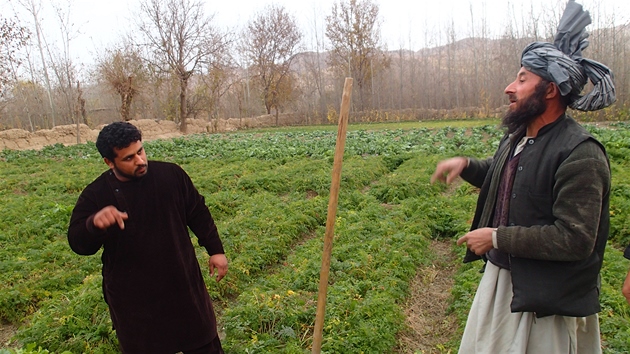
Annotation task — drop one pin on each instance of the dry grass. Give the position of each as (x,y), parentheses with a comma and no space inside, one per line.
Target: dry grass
(430,327)
(6,332)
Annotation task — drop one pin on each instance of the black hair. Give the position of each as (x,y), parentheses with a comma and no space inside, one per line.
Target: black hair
(569,98)
(117,135)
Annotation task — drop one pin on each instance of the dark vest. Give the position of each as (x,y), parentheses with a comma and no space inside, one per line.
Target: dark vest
(548,287)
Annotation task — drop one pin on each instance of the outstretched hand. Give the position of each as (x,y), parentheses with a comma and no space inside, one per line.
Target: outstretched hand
(447,170)
(218,264)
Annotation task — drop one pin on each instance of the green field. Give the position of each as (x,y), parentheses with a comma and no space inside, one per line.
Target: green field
(268,192)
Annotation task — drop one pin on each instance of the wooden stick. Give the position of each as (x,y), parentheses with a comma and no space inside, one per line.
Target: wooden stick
(332,215)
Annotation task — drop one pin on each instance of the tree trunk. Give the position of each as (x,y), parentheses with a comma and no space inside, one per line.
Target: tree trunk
(124,106)
(126,97)
(182,105)
(44,66)
(77,109)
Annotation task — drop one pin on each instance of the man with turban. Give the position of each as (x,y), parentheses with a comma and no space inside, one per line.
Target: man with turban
(541,222)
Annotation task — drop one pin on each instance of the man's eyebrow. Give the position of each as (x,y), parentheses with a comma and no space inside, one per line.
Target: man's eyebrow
(127,156)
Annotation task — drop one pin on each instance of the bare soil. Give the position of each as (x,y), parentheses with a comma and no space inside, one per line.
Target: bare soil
(430,326)
(20,139)
(6,332)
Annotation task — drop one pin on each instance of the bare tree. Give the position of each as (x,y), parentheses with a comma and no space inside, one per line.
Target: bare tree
(353,29)
(270,43)
(452,66)
(12,38)
(474,83)
(179,37)
(219,75)
(123,70)
(314,76)
(61,62)
(22,107)
(34,8)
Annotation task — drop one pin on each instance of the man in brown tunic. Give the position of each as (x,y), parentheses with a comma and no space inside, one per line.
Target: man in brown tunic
(152,281)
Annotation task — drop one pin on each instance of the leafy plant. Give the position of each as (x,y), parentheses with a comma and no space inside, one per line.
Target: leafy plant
(268,192)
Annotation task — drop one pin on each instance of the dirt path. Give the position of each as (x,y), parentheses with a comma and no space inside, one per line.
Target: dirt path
(430,326)
(6,332)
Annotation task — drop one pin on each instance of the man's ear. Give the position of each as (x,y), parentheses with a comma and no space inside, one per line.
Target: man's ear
(552,90)
(109,162)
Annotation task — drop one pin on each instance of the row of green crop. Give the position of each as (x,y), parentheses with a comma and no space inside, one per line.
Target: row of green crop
(259,232)
(270,209)
(282,147)
(379,244)
(372,263)
(34,260)
(615,314)
(262,206)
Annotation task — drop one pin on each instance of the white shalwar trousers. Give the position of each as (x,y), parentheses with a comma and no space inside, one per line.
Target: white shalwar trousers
(492,328)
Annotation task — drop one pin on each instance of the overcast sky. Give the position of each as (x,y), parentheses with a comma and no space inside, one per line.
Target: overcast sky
(405,23)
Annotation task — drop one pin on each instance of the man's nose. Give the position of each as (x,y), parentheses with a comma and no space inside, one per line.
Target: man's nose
(509,89)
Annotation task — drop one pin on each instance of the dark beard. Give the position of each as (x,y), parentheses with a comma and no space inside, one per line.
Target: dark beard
(517,120)
(133,177)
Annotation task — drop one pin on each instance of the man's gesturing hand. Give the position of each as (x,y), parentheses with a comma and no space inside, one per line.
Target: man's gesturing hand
(479,241)
(108,216)
(447,170)
(220,263)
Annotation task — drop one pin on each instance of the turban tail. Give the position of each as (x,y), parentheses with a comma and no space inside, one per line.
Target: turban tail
(563,64)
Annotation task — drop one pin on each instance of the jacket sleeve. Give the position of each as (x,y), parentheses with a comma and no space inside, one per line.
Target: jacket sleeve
(476,171)
(84,238)
(582,184)
(626,253)
(199,218)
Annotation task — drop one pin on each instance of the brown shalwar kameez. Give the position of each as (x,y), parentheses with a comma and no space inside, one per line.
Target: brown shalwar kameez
(152,281)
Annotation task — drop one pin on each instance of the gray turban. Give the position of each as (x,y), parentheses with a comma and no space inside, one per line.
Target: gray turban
(562,62)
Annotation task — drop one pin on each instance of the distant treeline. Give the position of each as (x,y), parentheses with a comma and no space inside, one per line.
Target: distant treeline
(264,70)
